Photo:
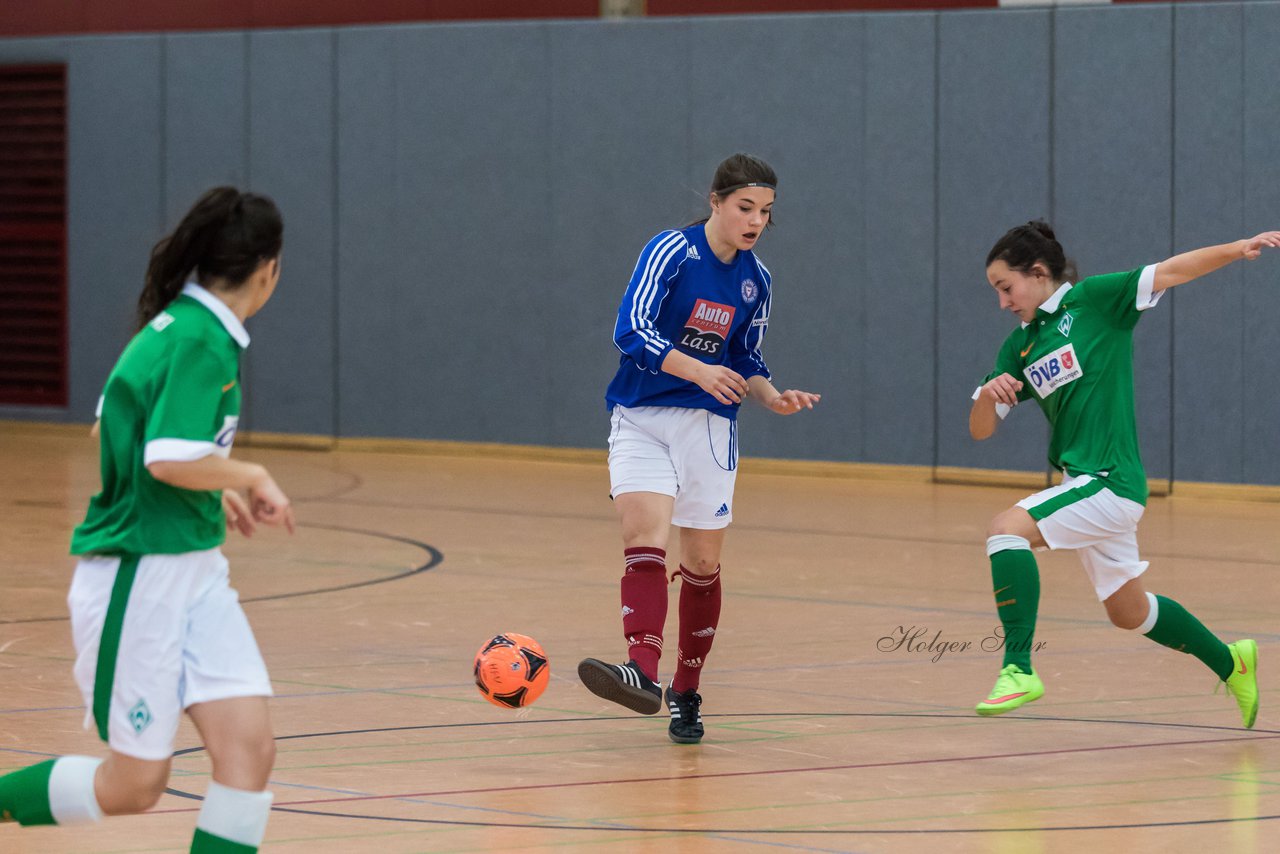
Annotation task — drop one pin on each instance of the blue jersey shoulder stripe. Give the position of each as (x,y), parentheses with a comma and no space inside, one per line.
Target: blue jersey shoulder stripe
(666,248)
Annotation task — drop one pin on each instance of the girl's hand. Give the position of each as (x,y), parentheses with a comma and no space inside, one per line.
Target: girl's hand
(1252,247)
(238,516)
(792,401)
(1003,389)
(724,384)
(270,505)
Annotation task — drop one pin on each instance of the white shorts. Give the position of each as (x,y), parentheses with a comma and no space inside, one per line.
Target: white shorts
(1084,515)
(147,650)
(690,454)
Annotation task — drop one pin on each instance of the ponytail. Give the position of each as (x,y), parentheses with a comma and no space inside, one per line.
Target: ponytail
(226,235)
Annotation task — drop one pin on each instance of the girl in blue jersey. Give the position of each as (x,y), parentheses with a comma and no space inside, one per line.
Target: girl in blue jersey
(690,328)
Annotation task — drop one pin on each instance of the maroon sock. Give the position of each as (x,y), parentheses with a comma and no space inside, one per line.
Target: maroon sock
(644,606)
(699,616)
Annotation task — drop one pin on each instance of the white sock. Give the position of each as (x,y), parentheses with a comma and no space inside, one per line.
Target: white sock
(1153,614)
(1006,542)
(71,796)
(234,814)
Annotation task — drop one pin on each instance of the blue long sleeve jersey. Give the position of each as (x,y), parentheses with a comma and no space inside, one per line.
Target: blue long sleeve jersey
(681,295)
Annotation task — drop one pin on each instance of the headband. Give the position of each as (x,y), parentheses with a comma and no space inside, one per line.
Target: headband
(727,190)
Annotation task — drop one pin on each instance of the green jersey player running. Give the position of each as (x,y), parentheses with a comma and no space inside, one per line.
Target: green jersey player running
(1073,354)
(158,630)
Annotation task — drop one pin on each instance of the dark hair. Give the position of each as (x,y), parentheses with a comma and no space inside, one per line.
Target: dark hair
(226,235)
(1024,245)
(737,171)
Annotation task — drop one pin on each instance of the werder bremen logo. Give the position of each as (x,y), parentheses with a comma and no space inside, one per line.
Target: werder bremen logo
(1064,325)
(140,716)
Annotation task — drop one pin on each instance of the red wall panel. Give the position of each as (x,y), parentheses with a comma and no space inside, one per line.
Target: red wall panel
(57,17)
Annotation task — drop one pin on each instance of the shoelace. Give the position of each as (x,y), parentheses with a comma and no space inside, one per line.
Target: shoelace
(689,710)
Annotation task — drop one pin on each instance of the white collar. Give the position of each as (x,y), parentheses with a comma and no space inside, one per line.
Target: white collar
(219,308)
(1050,305)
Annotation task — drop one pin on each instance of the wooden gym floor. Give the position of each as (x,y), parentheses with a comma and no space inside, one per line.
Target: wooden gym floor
(824,733)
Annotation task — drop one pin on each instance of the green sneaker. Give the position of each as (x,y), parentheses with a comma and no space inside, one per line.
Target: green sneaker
(1013,688)
(1243,681)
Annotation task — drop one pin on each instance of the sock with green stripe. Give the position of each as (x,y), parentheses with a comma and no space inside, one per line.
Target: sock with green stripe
(1015,578)
(1169,624)
(59,791)
(232,821)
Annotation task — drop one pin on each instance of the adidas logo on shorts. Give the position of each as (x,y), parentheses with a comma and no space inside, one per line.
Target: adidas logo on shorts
(723,511)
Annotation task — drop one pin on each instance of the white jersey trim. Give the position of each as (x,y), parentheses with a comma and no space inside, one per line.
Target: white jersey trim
(1147,298)
(177,451)
(1002,409)
(220,310)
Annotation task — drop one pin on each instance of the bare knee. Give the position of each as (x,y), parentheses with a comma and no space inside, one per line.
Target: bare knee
(125,786)
(1130,606)
(244,762)
(1015,522)
(700,565)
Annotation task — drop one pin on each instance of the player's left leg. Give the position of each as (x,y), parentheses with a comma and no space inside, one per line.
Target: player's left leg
(237,734)
(1166,622)
(699,618)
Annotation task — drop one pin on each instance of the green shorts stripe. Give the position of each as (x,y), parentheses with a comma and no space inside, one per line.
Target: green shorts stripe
(1063,499)
(109,644)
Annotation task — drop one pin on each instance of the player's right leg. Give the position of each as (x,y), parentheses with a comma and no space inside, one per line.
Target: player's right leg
(73,790)
(237,733)
(1015,580)
(643,486)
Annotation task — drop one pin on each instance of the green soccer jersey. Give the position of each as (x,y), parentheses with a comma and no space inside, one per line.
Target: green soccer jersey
(1076,360)
(173,395)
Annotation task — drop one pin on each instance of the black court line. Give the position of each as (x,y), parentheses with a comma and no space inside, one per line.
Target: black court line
(434,558)
(1264,734)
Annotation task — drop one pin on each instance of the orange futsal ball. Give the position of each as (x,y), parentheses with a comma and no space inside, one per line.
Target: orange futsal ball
(512,670)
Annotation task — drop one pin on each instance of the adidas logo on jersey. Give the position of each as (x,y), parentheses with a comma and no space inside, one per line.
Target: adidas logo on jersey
(723,511)
(693,253)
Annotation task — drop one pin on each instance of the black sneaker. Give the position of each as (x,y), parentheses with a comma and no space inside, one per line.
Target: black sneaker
(624,684)
(686,719)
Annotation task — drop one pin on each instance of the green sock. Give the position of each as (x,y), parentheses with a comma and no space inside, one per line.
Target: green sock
(1015,578)
(206,843)
(24,795)
(1177,628)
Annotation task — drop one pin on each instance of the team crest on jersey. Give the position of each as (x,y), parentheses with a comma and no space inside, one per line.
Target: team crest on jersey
(1053,371)
(226,435)
(160,321)
(707,328)
(1064,325)
(750,290)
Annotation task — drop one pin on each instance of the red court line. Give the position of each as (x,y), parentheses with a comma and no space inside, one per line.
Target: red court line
(726,774)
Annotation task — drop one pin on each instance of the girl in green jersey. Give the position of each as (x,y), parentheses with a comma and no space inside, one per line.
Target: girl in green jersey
(158,629)
(1073,353)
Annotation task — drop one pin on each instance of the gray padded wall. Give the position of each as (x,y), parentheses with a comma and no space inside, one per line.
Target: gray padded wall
(465,203)
(290,367)
(1208,356)
(808,124)
(1112,182)
(618,166)
(1261,211)
(898,313)
(993,171)
(115,199)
